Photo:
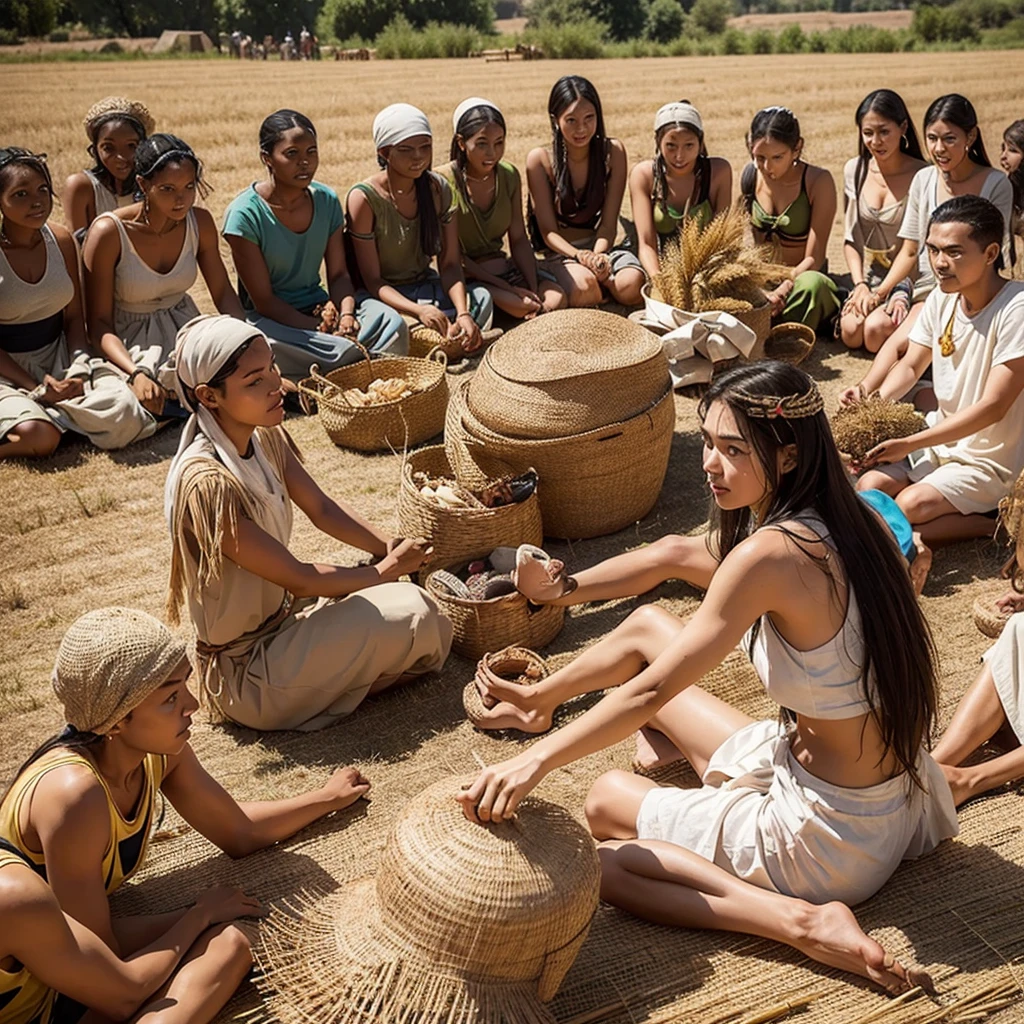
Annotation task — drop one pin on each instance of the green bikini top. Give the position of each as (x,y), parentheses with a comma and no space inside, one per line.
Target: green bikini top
(792,225)
(668,220)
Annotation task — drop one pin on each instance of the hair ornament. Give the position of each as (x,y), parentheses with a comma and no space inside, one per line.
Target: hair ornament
(787,407)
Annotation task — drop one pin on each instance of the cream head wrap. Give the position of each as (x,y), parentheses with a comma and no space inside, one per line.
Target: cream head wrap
(679,113)
(113,105)
(109,662)
(467,105)
(398,122)
(204,345)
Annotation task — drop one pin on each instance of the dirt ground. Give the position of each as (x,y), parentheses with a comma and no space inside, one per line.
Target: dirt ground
(86,529)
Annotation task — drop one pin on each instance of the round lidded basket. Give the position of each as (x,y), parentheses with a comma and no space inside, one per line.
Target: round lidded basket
(460,534)
(567,372)
(593,483)
(399,424)
(506,621)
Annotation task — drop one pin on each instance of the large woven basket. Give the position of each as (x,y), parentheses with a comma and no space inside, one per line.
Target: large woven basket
(568,372)
(593,483)
(482,626)
(462,534)
(759,320)
(390,425)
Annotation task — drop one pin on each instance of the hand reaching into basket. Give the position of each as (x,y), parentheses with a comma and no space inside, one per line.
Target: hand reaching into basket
(404,557)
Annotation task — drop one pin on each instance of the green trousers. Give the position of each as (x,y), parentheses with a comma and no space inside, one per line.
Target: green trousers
(813,300)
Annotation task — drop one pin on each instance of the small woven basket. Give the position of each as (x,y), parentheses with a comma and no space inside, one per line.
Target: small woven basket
(507,621)
(423,340)
(790,343)
(759,320)
(512,664)
(989,619)
(389,425)
(462,534)
(593,483)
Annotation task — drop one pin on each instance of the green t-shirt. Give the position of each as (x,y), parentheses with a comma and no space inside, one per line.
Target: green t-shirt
(482,232)
(293,260)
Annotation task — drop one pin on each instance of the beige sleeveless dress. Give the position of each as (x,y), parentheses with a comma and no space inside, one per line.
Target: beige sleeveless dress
(266,659)
(150,308)
(108,413)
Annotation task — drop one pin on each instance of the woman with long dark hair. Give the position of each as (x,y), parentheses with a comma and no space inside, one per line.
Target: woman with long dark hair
(791,204)
(795,817)
(115,126)
(400,220)
(489,207)
(876,187)
(679,183)
(280,231)
(1011,159)
(961,167)
(140,263)
(576,191)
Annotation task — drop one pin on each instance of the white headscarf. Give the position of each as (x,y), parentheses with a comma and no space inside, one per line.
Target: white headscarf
(679,113)
(398,122)
(473,101)
(203,346)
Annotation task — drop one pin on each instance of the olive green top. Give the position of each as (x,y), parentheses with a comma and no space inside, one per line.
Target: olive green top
(482,232)
(402,259)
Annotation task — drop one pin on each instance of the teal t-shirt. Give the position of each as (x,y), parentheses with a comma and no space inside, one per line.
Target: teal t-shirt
(293,260)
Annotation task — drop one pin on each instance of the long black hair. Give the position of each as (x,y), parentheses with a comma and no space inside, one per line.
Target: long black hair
(959,110)
(161,149)
(1014,134)
(472,121)
(778,123)
(564,93)
(701,170)
(890,105)
(427,187)
(115,117)
(899,654)
(71,738)
(18,156)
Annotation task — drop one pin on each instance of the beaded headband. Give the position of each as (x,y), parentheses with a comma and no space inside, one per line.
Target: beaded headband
(788,407)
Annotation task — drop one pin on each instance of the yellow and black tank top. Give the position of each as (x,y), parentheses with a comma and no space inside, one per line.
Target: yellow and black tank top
(24,999)
(129,837)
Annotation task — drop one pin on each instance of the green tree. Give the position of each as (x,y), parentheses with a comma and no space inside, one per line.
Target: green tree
(625,19)
(476,13)
(28,17)
(665,21)
(710,16)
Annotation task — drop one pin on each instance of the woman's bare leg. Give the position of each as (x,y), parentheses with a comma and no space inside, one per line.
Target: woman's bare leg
(978,717)
(624,287)
(851,327)
(613,660)
(890,343)
(32,439)
(206,979)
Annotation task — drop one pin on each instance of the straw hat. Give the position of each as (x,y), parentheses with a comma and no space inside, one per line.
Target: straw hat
(118,105)
(109,662)
(463,923)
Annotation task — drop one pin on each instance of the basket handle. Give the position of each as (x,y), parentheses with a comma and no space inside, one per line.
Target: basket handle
(438,355)
(307,396)
(362,348)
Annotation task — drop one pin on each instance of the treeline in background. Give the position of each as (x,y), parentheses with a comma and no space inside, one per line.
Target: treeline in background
(577,29)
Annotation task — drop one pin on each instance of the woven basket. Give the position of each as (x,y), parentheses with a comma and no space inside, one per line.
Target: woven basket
(423,340)
(759,320)
(390,425)
(482,626)
(567,372)
(790,343)
(988,618)
(510,663)
(593,483)
(462,534)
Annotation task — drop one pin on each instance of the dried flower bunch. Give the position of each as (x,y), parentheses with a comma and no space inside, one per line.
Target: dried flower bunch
(858,428)
(716,268)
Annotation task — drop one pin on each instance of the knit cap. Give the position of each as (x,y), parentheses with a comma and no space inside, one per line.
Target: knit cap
(109,662)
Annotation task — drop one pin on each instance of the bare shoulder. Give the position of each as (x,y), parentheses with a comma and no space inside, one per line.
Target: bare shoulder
(819,179)
(77,182)
(642,174)
(72,790)
(540,158)
(719,166)
(617,150)
(22,891)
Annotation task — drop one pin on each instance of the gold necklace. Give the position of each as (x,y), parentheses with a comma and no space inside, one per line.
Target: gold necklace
(947,346)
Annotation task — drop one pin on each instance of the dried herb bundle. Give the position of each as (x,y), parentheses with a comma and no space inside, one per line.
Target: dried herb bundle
(858,428)
(716,268)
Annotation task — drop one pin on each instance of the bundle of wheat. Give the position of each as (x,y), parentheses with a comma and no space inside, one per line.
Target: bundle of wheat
(716,268)
(858,428)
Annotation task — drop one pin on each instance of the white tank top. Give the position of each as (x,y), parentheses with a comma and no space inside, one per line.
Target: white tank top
(103,199)
(826,682)
(24,303)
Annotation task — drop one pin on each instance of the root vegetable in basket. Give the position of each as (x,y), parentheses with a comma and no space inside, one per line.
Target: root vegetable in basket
(380,391)
(858,428)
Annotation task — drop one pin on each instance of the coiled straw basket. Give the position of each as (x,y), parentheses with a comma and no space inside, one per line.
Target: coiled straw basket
(389,425)
(482,626)
(593,483)
(462,534)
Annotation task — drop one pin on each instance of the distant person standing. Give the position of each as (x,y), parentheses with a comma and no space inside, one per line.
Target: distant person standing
(305,44)
(287,47)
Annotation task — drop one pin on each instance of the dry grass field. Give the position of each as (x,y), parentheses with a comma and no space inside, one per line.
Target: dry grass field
(822,21)
(86,529)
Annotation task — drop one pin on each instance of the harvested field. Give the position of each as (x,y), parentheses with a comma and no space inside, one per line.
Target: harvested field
(822,21)
(86,529)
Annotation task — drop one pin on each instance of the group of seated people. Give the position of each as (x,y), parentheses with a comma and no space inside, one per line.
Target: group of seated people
(795,819)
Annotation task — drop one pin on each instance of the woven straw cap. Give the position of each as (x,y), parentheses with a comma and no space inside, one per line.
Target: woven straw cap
(463,923)
(118,105)
(109,662)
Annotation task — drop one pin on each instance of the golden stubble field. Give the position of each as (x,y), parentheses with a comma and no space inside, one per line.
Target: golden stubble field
(86,528)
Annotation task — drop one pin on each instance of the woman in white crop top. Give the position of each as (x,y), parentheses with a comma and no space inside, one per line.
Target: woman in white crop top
(797,818)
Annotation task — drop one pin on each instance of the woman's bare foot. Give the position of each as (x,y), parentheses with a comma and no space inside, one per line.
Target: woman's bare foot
(507,716)
(832,936)
(494,690)
(654,749)
(537,576)
(921,565)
